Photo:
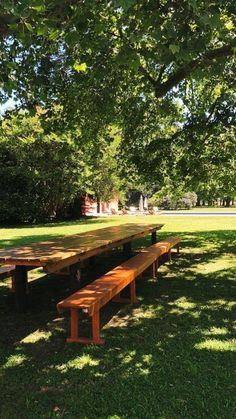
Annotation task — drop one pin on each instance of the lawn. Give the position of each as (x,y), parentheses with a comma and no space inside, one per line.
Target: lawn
(170,356)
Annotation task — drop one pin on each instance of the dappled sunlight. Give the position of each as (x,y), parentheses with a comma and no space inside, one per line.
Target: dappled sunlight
(174,347)
(78,363)
(217,304)
(135,315)
(15,361)
(216,265)
(128,357)
(217,345)
(215,331)
(37,336)
(184,304)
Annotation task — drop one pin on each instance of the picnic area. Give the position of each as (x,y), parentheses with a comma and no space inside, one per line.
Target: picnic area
(178,337)
(117,209)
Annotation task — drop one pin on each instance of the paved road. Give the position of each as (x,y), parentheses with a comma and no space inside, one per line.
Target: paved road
(199,214)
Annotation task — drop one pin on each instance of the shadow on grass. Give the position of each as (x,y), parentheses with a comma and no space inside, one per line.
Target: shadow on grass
(169,356)
(79,221)
(22,240)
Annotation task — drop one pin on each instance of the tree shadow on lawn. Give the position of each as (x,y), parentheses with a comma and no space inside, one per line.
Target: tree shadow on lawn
(169,356)
(23,240)
(83,220)
(214,241)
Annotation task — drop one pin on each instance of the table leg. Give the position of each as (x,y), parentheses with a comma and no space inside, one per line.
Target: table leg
(127,248)
(75,277)
(154,237)
(20,282)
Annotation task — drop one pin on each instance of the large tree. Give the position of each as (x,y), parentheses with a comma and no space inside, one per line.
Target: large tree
(163,70)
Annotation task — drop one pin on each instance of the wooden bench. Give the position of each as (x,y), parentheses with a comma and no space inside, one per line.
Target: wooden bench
(108,287)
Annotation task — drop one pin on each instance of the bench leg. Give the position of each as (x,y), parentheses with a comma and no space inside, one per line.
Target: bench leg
(74,329)
(131,300)
(96,329)
(13,284)
(177,247)
(169,255)
(155,269)
(74,322)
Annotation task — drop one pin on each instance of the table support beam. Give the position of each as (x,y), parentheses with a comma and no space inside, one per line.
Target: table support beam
(154,237)
(21,287)
(127,249)
(75,276)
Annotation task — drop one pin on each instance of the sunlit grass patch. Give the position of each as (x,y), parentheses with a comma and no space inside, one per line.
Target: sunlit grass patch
(215,331)
(217,264)
(15,360)
(184,304)
(36,336)
(78,363)
(217,345)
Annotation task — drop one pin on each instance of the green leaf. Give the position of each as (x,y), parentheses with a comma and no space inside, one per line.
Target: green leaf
(41,30)
(229,25)
(174,48)
(38,5)
(39,8)
(54,34)
(29,26)
(80,67)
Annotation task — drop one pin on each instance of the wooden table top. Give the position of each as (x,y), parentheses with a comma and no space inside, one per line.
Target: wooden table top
(76,247)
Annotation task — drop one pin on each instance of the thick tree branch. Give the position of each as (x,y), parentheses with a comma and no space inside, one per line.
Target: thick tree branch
(203,61)
(147,75)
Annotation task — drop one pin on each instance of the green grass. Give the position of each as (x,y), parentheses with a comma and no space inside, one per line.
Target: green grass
(170,356)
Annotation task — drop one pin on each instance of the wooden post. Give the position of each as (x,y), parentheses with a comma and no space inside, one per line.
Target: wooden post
(20,284)
(154,237)
(127,249)
(75,277)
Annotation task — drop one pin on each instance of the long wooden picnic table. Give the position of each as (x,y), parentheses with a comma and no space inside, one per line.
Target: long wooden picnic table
(68,251)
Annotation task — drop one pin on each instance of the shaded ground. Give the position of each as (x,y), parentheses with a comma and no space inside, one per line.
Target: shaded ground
(170,356)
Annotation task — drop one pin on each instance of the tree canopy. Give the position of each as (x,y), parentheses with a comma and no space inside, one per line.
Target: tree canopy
(162,71)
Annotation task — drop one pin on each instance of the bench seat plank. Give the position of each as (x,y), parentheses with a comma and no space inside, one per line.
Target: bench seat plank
(96,295)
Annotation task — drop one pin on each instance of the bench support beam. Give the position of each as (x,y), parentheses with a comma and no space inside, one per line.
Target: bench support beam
(131,300)
(74,329)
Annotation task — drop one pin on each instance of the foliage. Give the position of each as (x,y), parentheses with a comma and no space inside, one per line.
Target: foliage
(39,174)
(163,72)
(175,199)
(44,168)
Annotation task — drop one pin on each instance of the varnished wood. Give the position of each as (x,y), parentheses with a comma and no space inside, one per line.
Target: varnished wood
(109,286)
(56,254)
(6,271)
